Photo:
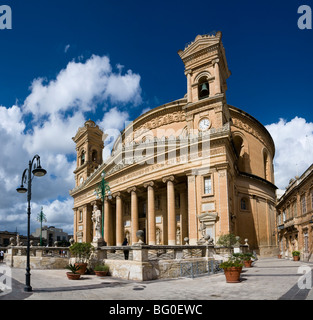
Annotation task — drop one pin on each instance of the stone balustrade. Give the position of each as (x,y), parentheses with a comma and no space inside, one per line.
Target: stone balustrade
(145,262)
(40,257)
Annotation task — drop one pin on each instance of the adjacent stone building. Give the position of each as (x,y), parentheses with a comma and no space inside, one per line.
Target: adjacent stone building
(191,168)
(51,234)
(295,217)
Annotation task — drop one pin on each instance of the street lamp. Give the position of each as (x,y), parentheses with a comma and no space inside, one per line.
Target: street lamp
(102,191)
(38,171)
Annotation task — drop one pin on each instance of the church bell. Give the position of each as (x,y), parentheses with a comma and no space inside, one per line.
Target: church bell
(204,89)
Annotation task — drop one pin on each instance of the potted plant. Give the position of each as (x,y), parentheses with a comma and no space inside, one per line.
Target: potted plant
(296,255)
(81,251)
(280,256)
(73,275)
(232,269)
(247,259)
(101,270)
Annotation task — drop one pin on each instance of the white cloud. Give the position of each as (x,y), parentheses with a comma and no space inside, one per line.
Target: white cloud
(57,108)
(294,145)
(80,86)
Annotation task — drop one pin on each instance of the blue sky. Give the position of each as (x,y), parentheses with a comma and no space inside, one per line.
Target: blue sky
(136,43)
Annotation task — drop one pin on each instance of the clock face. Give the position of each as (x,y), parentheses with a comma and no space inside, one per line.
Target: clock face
(204,124)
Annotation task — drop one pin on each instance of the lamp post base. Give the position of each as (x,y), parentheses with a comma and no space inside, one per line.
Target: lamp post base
(28,289)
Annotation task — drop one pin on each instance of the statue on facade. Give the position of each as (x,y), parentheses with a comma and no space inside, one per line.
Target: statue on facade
(96,219)
(158,236)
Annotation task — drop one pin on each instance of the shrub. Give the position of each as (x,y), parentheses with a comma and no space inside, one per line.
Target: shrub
(231,262)
(227,240)
(295,253)
(103,267)
(81,250)
(73,268)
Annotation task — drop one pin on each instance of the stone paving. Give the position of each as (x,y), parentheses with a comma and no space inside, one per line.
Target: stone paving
(268,279)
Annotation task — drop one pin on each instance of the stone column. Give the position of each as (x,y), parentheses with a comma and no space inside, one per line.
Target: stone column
(107,219)
(119,219)
(151,213)
(217,76)
(171,210)
(192,210)
(76,212)
(134,214)
(184,215)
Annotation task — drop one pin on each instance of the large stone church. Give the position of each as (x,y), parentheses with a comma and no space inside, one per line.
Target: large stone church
(193,167)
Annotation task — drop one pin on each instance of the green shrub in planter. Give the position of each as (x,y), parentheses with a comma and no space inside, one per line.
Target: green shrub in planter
(81,251)
(102,267)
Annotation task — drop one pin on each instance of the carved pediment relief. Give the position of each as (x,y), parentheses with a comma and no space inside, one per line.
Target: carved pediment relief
(208,217)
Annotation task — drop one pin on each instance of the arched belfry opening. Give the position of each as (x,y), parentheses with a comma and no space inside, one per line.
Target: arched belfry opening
(82,158)
(203,88)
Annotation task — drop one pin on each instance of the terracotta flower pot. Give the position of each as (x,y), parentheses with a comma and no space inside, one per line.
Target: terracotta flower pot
(279,256)
(101,273)
(296,258)
(83,267)
(247,263)
(73,276)
(232,274)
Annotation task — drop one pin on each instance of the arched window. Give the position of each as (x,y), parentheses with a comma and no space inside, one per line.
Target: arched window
(94,156)
(244,204)
(203,88)
(82,158)
(239,149)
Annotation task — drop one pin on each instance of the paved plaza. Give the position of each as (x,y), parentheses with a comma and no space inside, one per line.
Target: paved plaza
(268,279)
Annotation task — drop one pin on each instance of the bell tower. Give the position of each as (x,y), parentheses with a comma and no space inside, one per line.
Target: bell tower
(89,147)
(205,67)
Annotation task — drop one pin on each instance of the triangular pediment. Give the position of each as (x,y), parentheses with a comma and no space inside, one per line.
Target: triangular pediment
(200,43)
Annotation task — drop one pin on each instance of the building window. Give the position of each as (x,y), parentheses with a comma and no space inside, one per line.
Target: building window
(207,185)
(303,205)
(80,217)
(284,216)
(279,219)
(244,204)
(94,156)
(82,158)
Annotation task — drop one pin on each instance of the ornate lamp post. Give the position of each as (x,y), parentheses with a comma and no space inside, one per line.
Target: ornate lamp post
(41,217)
(102,191)
(36,170)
